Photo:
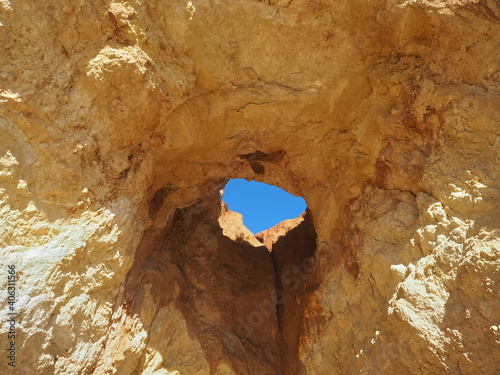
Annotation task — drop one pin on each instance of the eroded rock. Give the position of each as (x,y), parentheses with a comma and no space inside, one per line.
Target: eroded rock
(121,121)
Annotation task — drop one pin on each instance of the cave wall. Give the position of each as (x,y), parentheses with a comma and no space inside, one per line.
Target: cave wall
(195,301)
(122,120)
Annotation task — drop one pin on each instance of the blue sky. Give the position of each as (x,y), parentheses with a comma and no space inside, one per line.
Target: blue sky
(262,206)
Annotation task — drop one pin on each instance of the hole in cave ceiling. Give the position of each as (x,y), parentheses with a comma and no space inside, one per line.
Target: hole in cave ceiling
(262,206)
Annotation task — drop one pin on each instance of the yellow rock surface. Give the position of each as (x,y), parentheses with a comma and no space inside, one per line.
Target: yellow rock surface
(120,122)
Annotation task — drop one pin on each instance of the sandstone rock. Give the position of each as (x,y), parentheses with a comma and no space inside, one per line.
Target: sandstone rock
(232,226)
(270,236)
(120,122)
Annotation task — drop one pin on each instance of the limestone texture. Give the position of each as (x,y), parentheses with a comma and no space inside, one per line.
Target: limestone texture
(121,121)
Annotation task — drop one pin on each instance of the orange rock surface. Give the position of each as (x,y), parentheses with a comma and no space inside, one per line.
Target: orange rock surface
(121,121)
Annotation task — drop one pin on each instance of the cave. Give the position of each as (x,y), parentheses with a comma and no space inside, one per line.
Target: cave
(241,296)
(122,121)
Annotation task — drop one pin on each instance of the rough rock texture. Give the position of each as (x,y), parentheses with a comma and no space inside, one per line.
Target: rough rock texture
(270,236)
(232,226)
(120,121)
